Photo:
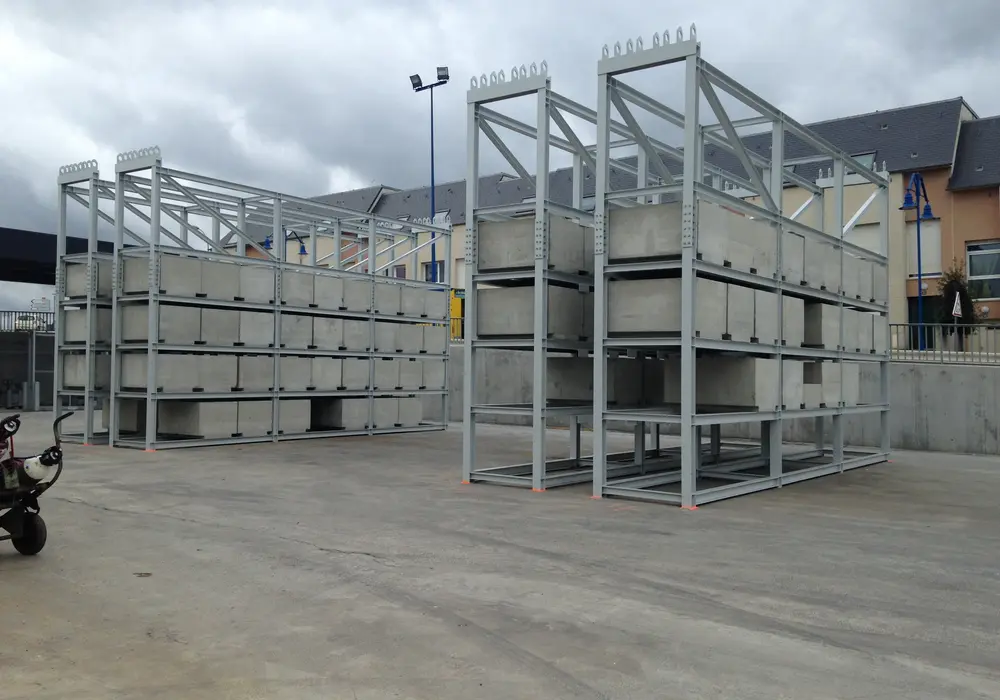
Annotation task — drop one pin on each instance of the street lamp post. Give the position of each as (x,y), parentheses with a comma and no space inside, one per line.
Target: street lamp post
(916,190)
(418,86)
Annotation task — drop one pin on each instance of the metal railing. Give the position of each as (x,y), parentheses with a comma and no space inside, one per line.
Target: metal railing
(945,343)
(26,321)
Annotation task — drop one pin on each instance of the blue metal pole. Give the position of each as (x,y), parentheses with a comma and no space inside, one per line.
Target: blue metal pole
(434,276)
(920,266)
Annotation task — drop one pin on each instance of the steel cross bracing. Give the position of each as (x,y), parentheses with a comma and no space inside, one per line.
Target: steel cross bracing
(154,216)
(699,475)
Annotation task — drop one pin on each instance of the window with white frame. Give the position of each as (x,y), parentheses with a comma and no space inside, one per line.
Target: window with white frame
(930,248)
(982,265)
(399,272)
(426,267)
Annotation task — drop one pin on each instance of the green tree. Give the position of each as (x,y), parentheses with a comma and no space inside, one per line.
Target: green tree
(953,282)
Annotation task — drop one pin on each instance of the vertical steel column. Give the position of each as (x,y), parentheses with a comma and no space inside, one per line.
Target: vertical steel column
(689,234)
(885,440)
(601,184)
(337,241)
(185,217)
(838,227)
(281,246)
(90,351)
(776,186)
(471,270)
(371,264)
(153,317)
(241,224)
(60,295)
(216,230)
(540,337)
(574,438)
(117,271)
(312,245)
(577,181)
(642,176)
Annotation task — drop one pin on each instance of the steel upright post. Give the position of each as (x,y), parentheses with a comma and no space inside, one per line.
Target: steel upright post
(776,187)
(689,235)
(114,412)
(541,290)
(281,245)
(471,269)
(152,329)
(600,458)
(838,227)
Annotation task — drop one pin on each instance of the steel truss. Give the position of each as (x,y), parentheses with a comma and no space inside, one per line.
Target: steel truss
(155,211)
(700,477)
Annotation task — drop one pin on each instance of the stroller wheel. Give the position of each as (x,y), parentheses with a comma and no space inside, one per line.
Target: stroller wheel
(33,535)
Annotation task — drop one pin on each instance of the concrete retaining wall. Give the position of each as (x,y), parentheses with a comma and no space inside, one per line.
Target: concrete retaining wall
(948,408)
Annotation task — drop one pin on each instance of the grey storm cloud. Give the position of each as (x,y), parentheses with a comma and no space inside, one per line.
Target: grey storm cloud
(312,96)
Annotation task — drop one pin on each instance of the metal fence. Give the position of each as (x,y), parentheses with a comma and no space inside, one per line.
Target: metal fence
(26,321)
(945,343)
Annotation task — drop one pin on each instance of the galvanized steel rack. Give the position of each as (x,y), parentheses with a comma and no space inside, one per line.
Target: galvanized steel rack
(711,187)
(516,256)
(339,249)
(81,372)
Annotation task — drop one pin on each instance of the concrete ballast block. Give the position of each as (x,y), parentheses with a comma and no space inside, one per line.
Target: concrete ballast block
(792,257)
(255,372)
(825,377)
(356,374)
(294,416)
(256,329)
(180,276)
(509,311)
(174,372)
(411,412)
(386,373)
(76,371)
(297,288)
(510,245)
(220,280)
(295,373)
(358,294)
(254,418)
(385,413)
(792,321)
(765,317)
(219,327)
(75,329)
(411,374)
(386,336)
(822,325)
(388,298)
(792,383)
(206,419)
(436,304)
(328,333)
(739,313)
(357,335)
(327,373)
(410,338)
(433,374)
(257,283)
(654,307)
(328,292)
(217,372)
(296,331)
(652,231)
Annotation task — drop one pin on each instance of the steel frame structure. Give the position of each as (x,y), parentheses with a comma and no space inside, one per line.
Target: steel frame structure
(681,482)
(533,82)
(79,182)
(147,191)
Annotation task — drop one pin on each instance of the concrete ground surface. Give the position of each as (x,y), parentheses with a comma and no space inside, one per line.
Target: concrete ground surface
(361,568)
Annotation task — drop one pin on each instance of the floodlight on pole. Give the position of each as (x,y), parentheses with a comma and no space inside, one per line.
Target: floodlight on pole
(418,86)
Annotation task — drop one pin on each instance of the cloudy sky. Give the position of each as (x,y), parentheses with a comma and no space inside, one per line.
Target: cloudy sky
(312,96)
